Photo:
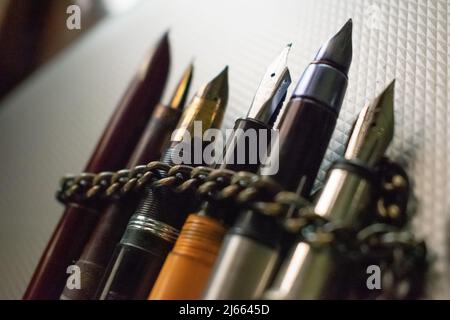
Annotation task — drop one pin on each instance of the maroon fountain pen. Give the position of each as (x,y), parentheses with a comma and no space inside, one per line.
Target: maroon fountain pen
(112,152)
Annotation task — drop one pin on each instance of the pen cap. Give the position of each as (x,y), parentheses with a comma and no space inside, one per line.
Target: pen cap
(135,107)
(323,83)
(325,79)
(187,268)
(304,136)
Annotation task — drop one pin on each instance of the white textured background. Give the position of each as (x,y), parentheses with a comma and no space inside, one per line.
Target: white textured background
(49,126)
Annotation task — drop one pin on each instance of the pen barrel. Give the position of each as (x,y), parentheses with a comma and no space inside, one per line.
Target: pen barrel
(246,150)
(50,276)
(113,220)
(156,136)
(160,213)
(248,146)
(162,204)
(247,259)
(307,128)
(112,152)
(188,266)
(137,259)
(309,273)
(320,272)
(158,217)
(148,239)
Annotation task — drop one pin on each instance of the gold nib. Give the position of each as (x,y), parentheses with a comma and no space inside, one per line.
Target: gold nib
(374,129)
(207,106)
(181,92)
(217,88)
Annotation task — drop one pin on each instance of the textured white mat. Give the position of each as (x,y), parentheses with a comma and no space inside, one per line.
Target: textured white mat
(49,126)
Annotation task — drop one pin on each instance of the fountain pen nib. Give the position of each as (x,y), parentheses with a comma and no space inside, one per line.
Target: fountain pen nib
(217,88)
(272,90)
(182,90)
(374,129)
(338,50)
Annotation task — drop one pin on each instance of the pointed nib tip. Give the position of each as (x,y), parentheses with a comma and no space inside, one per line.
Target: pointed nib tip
(217,88)
(224,71)
(181,92)
(347,28)
(338,50)
(190,67)
(222,76)
(164,41)
(389,90)
(391,85)
(289,45)
(165,36)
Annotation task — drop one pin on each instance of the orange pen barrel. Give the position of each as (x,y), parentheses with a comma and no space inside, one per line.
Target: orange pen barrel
(187,268)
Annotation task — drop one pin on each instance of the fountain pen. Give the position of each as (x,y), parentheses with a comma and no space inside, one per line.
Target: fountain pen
(114,218)
(112,153)
(154,227)
(313,272)
(251,248)
(187,268)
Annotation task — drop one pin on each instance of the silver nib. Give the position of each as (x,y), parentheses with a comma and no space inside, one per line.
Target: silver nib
(373,130)
(272,90)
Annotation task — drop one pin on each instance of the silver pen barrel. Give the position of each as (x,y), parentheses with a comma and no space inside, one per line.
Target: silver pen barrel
(313,273)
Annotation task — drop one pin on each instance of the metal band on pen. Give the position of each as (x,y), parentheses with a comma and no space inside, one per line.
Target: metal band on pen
(160,229)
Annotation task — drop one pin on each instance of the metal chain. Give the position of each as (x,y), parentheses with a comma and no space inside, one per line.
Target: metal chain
(208,184)
(383,243)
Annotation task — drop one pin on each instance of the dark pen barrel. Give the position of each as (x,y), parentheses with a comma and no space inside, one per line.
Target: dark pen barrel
(114,218)
(111,153)
(247,261)
(143,248)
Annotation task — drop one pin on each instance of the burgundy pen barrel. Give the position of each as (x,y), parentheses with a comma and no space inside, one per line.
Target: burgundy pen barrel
(118,141)
(250,250)
(114,218)
(297,170)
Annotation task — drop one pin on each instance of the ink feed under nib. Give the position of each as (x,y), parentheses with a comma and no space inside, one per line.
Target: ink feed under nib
(182,90)
(272,90)
(217,88)
(374,129)
(338,50)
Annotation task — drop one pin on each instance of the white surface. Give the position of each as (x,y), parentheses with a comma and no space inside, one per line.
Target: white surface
(49,126)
